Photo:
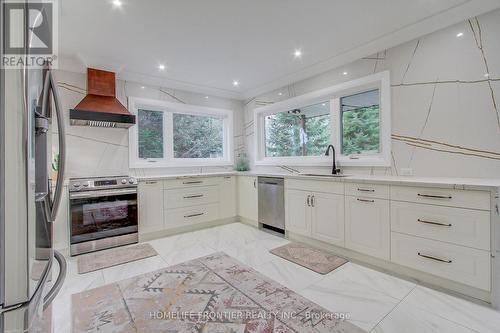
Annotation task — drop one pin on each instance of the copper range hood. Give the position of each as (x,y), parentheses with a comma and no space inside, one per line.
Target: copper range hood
(100,108)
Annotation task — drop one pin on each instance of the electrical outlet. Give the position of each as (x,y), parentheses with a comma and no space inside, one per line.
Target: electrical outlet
(406,172)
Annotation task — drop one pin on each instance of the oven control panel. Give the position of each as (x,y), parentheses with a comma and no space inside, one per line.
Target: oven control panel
(101,183)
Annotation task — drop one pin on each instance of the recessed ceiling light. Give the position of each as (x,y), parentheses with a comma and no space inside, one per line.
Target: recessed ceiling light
(235,83)
(206,97)
(345,73)
(161,67)
(297,53)
(142,87)
(280,94)
(487,75)
(460,34)
(324,104)
(117,3)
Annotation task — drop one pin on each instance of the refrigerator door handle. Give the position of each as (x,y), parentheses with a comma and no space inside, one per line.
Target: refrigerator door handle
(62,145)
(43,199)
(59,282)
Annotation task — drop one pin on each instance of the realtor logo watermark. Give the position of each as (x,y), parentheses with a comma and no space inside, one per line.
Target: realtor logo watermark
(30,33)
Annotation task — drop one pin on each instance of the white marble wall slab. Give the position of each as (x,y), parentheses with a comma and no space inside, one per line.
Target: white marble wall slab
(104,151)
(440,92)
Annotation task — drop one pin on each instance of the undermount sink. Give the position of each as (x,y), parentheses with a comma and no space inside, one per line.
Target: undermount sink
(323,175)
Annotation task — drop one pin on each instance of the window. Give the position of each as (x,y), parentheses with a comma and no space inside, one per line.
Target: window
(360,123)
(150,134)
(353,116)
(298,132)
(173,134)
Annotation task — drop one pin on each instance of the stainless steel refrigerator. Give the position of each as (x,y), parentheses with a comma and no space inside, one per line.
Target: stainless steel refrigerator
(29,112)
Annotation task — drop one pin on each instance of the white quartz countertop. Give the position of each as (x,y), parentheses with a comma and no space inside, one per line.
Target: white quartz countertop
(455,183)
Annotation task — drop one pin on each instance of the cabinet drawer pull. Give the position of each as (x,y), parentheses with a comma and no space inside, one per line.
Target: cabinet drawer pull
(365,200)
(434,258)
(308,201)
(193,182)
(435,223)
(151,182)
(193,215)
(193,196)
(312,201)
(366,190)
(430,196)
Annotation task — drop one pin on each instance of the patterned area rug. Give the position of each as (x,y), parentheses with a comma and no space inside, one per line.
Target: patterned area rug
(212,294)
(117,256)
(304,255)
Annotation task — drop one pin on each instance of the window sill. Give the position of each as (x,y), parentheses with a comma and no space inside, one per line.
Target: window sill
(324,161)
(180,164)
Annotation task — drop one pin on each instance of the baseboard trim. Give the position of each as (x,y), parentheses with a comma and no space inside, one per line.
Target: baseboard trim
(248,222)
(450,287)
(144,237)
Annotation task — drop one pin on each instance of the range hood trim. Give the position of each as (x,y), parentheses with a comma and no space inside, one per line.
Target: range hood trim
(100,107)
(101,116)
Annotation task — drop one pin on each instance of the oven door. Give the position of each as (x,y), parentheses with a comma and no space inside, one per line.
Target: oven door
(101,214)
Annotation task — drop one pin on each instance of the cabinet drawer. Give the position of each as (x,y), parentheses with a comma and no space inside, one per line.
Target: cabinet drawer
(191,215)
(458,263)
(367,226)
(190,182)
(367,190)
(443,197)
(191,196)
(454,225)
(326,186)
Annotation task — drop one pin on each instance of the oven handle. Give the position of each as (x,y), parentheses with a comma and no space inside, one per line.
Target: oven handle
(101,193)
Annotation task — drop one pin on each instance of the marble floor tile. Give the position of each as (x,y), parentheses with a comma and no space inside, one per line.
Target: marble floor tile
(131,269)
(408,318)
(431,304)
(387,284)
(176,242)
(252,254)
(345,291)
(176,256)
(293,276)
(272,243)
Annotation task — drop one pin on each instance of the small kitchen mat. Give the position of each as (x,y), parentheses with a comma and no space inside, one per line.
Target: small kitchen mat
(317,260)
(117,256)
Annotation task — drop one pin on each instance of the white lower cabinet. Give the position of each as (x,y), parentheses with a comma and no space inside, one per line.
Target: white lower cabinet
(328,218)
(174,203)
(150,196)
(316,215)
(227,197)
(247,198)
(459,263)
(298,212)
(367,226)
(186,216)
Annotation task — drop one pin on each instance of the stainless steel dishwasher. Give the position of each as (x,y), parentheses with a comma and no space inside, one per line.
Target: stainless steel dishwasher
(272,204)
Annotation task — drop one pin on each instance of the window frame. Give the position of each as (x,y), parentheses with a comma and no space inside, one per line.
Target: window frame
(333,94)
(169,108)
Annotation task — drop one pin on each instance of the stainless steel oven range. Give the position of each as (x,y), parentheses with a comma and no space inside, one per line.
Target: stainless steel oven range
(103,213)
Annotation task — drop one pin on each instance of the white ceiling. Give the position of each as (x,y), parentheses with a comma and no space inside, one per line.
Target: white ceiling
(206,44)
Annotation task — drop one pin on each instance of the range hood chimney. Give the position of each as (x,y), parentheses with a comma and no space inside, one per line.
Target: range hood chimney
(100,108)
